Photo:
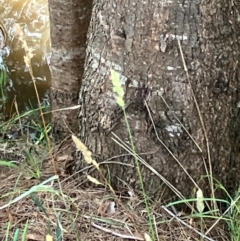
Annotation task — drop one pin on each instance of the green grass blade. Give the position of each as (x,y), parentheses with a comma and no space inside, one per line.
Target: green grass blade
(38,188)
(38,203)
(16,235)
(7,231)
(8,164)
(24,235)
(59,229)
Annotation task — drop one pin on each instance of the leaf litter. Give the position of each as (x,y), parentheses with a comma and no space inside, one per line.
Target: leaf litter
(87,213)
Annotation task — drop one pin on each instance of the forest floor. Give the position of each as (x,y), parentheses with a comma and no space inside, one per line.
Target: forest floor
(36,204)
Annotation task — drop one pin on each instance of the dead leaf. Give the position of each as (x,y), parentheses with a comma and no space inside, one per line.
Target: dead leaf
(32,236)
(102,210)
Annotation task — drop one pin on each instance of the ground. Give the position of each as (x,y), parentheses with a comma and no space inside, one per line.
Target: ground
(95,213)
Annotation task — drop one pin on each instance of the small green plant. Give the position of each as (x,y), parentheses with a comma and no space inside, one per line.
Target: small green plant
(33,166)
(17,234)
(233,214)
(33,115)
(42,187)
(230,215)
(3,81)
(24,233)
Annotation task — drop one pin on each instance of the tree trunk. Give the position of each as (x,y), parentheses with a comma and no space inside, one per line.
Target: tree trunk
(68,24)
(195,128)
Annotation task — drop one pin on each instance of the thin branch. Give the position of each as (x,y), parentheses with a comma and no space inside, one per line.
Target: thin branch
(121,235)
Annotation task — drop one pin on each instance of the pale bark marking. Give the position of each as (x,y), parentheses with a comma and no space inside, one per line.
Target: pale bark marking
(174,130)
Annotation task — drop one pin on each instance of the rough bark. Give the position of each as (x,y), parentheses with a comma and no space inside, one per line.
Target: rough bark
(68,24)
(139,39)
